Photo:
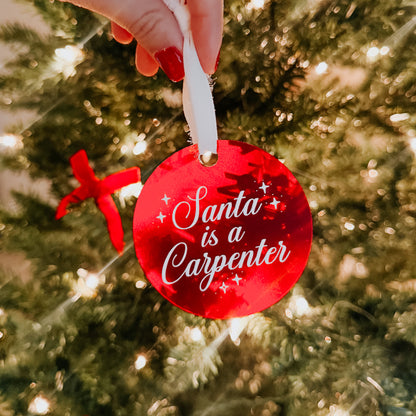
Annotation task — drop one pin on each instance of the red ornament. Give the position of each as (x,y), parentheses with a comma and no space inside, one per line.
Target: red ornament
(223,241)
(100,190)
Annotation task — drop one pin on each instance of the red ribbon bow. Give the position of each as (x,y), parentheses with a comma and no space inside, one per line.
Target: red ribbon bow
(100,190)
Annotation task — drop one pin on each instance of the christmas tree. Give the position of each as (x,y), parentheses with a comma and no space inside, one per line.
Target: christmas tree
(328,87)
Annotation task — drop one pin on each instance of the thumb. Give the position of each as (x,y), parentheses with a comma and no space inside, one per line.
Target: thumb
(207,24)
(153,26)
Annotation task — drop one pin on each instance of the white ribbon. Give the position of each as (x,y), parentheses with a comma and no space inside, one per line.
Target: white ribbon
(198,105)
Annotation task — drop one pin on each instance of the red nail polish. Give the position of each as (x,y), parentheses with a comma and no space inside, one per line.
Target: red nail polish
(171,61)
(217,61)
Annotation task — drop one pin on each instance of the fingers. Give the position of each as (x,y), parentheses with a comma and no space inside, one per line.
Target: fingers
(206,25)
(145,63)
(158,33)
(121,35)
(152,24)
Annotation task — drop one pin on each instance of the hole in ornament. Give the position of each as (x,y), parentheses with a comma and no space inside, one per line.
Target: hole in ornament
(208,159)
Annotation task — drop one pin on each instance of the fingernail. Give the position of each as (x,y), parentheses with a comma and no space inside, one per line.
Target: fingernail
(217,61)
(171,61)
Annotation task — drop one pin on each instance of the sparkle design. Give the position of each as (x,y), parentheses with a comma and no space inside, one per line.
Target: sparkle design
(257,231)
(264,187)
(275,203)
(161,217)
(237,279)
(224,287)
(166,199)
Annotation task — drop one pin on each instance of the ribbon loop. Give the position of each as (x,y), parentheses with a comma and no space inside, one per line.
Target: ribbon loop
(100,190)
(198,104)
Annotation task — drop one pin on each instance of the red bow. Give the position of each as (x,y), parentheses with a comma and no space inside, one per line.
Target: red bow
(100,190)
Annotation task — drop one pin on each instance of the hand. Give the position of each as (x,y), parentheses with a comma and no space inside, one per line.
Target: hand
(159,39)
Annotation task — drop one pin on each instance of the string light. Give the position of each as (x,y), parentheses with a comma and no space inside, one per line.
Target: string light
(40,405)
(395,118)
(139,148)
(236,327)
(384,50)
(336,411)
(393,41)
(87,284)
(255,4)
(140,284)
(135,143)
(298,306)
(399,35)
(10,141)
(321,68)
(301,306)
(412,144)
(92,281)
(196,335)
(373,52)
(140,145)
(349,226)
(140,362)
(66,59)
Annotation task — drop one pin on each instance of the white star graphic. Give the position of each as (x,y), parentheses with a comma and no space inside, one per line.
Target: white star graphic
(237,279)
(264,187)
(274,203)
(161,216)
(166,199)
(224,287)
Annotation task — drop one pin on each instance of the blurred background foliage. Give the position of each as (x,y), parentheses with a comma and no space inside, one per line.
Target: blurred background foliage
(328,87)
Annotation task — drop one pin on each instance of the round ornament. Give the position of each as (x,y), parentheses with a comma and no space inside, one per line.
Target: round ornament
(222,241)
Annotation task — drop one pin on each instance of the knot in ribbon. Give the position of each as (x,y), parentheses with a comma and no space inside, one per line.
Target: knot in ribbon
(100,190)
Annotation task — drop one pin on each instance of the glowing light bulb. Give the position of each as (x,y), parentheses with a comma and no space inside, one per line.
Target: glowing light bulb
(140,284)
(255,4)
(349,226)
(69,54)
(237,326)
(66,59)
(373,52)
(302,306)
(298,306)
(196,335)
(39,405)
(412,144)
(88,283)
(92,281)
(395,118)
(384,50)
(321,68)
(82,272)
(139,148)
(336,411)
(10,141)
(140,362)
